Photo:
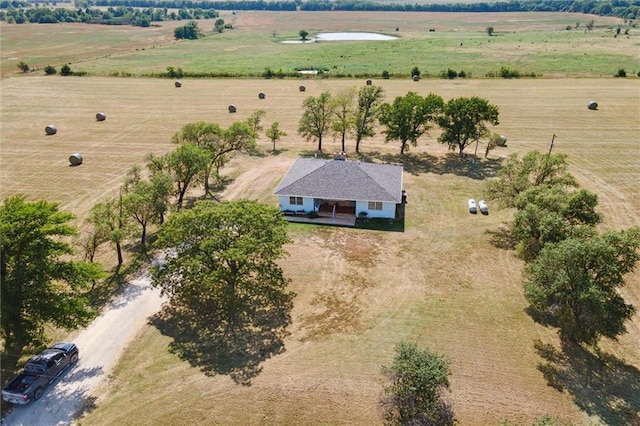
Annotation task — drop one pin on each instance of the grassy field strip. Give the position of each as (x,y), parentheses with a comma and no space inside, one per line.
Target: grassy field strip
(527,42)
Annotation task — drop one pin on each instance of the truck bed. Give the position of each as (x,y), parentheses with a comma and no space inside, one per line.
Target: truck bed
(20,383)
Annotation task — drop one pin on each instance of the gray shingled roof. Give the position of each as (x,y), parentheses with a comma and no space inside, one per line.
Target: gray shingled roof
(342,180)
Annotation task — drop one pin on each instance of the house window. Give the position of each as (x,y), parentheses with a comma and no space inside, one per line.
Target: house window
(375,205)
(296,201)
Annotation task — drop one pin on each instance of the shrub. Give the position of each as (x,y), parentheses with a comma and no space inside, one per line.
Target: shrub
(621,73)
(385,74)
(189,31)
(174,73)
(65,70)
(462,74)
(268,73)
(449,73)
(50,70)
(506,72)
(312,214)
(24,67)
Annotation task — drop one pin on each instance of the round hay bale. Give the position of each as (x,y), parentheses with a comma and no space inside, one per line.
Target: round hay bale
(302,88)
(51,129)
(101,116)
(232,108)
(502,141)
(178,84)
(75,159)
(369,82)
(592,105)
(416,77)
(261,95)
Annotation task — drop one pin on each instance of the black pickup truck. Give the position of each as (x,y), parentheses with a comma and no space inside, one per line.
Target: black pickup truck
(39,371)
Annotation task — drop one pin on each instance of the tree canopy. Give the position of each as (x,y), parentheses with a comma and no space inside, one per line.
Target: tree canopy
(552,214)
(189,31)
(224,263)
(464,121)
(409,117)
(366,113)
(574,284)
(187,164)
(274,133)
(40,283)
(220,143)
(110,219)
(343,109)
(316,118)
(413,393)
(533,169)
(147,199)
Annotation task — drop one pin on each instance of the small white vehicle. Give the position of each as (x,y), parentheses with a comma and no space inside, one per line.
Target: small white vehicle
(472,206)
(484,208)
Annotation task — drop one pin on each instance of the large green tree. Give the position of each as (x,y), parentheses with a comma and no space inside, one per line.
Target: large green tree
(534,169)
(316,118)
(366,112)
(187,165)
(225,262)
(220,143)
(111,220)
(551,214)
(413,394)
(574,285)
(147,200)
(207,135)
(464,121)
(40,282)
(343,108)
(409,117)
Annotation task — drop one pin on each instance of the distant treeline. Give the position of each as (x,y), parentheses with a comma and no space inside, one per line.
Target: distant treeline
(118,15)
(625,9)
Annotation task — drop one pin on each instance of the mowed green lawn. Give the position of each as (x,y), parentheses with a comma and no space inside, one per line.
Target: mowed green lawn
(531,43)
(441,283)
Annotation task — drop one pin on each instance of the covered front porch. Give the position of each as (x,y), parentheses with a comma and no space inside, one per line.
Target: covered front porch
(338,219)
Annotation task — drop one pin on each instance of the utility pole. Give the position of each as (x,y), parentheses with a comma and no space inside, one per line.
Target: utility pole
(545,171)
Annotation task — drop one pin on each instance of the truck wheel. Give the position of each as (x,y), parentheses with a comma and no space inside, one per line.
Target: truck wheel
(37,394)
(74,358)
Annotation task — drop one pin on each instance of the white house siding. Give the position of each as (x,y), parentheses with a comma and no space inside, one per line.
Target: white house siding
(388,210)
(307,205)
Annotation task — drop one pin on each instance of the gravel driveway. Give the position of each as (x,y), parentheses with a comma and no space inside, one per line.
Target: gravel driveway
(101,345)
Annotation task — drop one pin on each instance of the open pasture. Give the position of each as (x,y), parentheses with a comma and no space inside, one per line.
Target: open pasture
(531,43)
(441,283)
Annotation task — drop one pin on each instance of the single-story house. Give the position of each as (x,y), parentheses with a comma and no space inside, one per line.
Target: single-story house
(341,187)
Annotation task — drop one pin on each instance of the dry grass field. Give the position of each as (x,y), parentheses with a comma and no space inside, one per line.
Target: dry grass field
(440,283)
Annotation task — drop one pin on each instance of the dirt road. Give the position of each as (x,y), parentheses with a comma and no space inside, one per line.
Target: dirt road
(101,345)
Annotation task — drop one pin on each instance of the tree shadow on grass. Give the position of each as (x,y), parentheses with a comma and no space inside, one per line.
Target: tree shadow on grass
(315,154)
(600,384)
(200,339)
(502,237)
(419,163)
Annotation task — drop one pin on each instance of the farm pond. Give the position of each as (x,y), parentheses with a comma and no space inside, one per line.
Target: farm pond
(345,36)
